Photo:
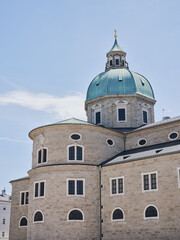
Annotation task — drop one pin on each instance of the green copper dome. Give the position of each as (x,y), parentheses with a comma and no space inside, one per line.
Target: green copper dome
(119,81)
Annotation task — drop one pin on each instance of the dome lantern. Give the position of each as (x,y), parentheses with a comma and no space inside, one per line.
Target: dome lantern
(116,57)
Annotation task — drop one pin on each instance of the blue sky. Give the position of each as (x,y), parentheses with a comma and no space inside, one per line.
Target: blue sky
(51,50)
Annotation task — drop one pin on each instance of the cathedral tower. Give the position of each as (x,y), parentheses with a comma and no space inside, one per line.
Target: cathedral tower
(118,97)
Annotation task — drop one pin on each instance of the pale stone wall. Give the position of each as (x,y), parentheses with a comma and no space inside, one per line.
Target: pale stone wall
(57,138)
(135,104)
(155,135)
(56,204)
(17,211)
(134,201)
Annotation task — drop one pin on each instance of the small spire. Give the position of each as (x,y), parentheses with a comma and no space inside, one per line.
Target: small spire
(115,35)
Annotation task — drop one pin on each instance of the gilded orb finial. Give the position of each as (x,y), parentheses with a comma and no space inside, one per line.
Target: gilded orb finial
(115,35)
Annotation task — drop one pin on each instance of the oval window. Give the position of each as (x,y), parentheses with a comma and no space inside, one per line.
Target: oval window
(173,135)
(75,136)
(110,142)
(142,142)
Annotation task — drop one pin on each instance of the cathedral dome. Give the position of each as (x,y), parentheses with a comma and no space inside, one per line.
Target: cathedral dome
(119,81)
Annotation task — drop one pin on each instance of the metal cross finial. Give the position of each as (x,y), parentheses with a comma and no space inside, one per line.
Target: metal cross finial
(115,35)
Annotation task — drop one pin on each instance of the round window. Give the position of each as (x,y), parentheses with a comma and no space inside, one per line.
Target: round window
(142,142)
(110,142)
(75,136)
(173,135)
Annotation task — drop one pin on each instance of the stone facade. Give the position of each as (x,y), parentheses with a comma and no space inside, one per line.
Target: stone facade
(117,180)
(134,201)
(108,105)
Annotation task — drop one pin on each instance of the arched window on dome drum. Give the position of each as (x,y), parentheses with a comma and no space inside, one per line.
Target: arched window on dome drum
(75,215)
(75,153)
(23,222)
(151,212)
(38,217)
(118,214)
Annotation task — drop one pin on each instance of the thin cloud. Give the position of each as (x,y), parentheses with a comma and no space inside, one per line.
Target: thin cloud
(65,107)
(12,140)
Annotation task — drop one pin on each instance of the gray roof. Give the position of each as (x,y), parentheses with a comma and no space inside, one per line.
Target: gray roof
(20,179)
(144,152)
(159,123)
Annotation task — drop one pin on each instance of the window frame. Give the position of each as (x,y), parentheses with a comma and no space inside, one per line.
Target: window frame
(25,192)
(75,220)
(178,175)
(117,111)
(20,221)
(143,144)
(41,149)
(75,160)
(34,216)
(150,186)
(116,178)
(39,189)
(144,110)
(112,142)
(117,220)
(149,218)
(96,111)
(76,134)
(75,187)
(174,138)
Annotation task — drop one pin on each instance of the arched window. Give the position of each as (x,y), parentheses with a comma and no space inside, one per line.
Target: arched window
(151,212)
(23,222)
(75,215)
(75,153)
(117,215)
(42,155)
(38,217)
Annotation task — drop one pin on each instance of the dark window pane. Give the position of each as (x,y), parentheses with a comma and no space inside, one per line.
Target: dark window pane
(98,117)
(173,135)
(38,217)
(79,187)
(153,181)
(44,155)
(71,153)
(144,116)
(121,114)
(151,212)
(79,153)
(120,185)
(110,142)
(117,61)
(22,198)
(41,189)
(71,187)
(23,222)
(146,182)
(36,189)
(39,156)
(110,62)
(117,214)
(27,198)
(75,136)
(75,215)
(114,186)
(142,142)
